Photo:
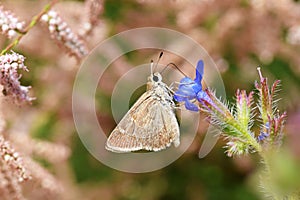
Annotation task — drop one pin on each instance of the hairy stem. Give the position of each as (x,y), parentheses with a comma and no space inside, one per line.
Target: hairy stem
(267,179)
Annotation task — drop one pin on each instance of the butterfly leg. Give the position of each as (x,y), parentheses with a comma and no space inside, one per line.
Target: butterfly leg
(178,106)
(173,85)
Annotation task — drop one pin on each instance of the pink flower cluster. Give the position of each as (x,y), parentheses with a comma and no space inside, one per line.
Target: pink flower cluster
(9,77)
(62,33)
(9,24)
(93,9)
(293,36)
(11,158)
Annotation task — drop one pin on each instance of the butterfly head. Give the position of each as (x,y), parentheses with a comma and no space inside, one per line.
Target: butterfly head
(154,80)
(156,77)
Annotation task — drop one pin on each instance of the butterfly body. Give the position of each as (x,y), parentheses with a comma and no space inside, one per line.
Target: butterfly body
(150,124)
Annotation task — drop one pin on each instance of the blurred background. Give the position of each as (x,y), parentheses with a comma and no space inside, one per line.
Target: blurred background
(239,35)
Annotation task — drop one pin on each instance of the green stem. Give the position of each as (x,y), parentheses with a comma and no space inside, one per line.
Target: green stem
(246,134)
(254,143)
(267,177)
(293,197)
(33,22)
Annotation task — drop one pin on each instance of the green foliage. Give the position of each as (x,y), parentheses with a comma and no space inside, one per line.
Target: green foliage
(208,179)
(115,10)
(86,168)
(44,127)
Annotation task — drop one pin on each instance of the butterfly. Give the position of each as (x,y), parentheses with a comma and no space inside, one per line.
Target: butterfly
(150,124)
(190,90)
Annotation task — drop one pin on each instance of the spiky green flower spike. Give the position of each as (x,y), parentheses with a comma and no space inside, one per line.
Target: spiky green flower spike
(236,122)
(272,122)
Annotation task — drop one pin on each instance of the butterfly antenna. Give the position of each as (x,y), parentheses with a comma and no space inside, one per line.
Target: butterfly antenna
(159,57)
(174,65)
(151,67)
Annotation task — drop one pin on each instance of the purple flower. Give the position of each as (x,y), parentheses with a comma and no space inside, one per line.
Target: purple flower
(264,134)
(190,90)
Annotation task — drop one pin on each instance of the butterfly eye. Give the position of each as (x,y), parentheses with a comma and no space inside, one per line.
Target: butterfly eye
(4,92)
(155,78)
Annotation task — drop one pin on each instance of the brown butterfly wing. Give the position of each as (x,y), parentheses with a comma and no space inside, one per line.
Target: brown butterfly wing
(150,124)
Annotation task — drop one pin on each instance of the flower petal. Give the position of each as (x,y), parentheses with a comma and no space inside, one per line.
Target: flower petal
(190,106)
(199,71)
